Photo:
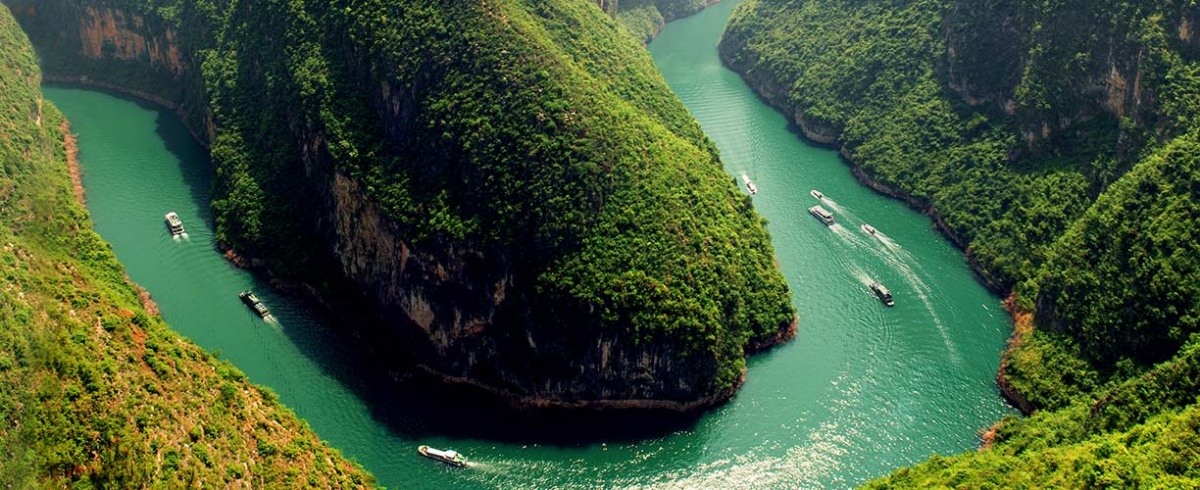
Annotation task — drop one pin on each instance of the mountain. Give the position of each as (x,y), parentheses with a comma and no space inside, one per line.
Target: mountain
(1056,144)
(509,186)
(95,390)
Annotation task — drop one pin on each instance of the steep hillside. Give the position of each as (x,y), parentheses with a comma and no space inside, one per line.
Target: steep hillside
(510,186)
(644,18)
(95,390)
(1054,143)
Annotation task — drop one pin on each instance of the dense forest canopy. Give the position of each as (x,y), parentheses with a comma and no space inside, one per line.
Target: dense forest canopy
(521,131)
(1056,144)
(532,144)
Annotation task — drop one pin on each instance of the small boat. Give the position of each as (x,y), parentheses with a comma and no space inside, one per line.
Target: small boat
(868,229)
(821,214)
(449,457)
(884,295)
(817,194)
(174,223)
(750,185)
(254,303)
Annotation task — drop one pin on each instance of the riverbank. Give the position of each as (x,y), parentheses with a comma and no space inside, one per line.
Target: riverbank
(71,145)
(775,96)
(87,81)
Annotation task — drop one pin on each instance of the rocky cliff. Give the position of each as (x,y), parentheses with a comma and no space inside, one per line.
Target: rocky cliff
(525,211)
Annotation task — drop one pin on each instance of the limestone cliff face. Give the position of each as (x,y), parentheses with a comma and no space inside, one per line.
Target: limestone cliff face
(472,315)
(106,45)
(112,33)
(1040,68)
(469,316)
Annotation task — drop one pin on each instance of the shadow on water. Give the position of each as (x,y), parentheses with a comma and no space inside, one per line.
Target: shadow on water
(176,139)
(335,342)
(416,406)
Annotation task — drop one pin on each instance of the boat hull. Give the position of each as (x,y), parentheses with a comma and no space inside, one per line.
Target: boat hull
(438,456)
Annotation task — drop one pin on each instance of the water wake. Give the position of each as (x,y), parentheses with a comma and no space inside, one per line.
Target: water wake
(848,236)
(861,275)
(899,260)
(889,243)
(838,208)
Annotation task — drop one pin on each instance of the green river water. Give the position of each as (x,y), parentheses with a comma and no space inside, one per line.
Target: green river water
(862,389)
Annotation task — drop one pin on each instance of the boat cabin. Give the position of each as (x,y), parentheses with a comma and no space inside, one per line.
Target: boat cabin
(251,300)
(174,223)
(821,214)
(750,185)
(882,292)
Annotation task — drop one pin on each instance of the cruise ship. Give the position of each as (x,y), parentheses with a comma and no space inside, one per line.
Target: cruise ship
(449,457)
(821,214)
(174,223)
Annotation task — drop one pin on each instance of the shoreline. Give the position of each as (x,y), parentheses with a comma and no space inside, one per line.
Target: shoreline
(1022,327)
(164,103)
(71,145)
(527,405)
(507,398)
(1022,322)
(75,173)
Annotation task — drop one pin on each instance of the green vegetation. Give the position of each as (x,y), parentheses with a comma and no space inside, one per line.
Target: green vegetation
(535,135)
(1056,141)
(523,131)
(644,18)
(95,392)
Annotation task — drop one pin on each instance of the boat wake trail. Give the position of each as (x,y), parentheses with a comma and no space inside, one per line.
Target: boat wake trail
(889,243)
(899,260)
(861,275)
(838,208)
(848,236)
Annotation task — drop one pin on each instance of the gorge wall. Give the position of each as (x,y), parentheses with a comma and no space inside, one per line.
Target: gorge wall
(508,203)
(95,389)
(1055,143)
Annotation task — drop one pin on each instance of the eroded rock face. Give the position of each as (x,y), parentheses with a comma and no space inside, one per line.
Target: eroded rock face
(113,33)
(469,319)
(996,52)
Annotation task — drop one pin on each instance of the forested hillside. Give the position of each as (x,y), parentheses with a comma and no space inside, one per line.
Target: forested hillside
(510,186)
(95,390)
(1055,143)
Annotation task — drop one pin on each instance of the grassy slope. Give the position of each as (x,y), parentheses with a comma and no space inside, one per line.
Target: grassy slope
(93,390)
(1092,226)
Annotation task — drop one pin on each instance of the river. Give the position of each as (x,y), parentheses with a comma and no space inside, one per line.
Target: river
(862,389)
